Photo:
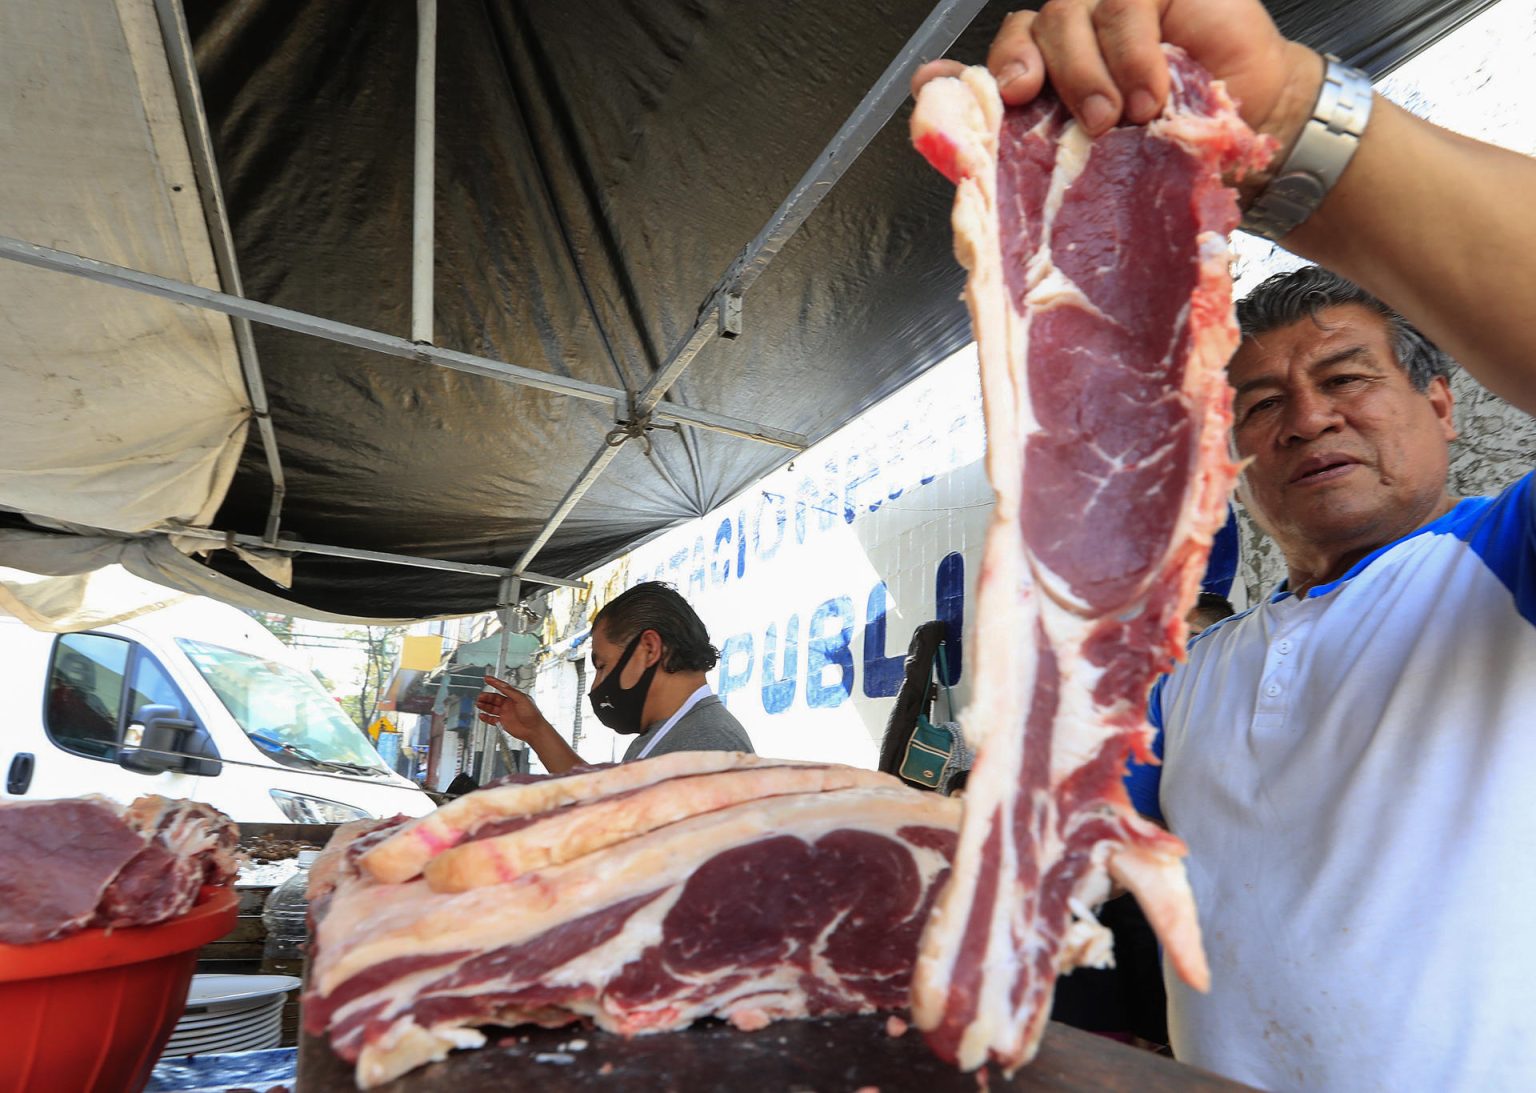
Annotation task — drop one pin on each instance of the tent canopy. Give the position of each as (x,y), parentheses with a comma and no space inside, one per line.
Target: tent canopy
(599,166)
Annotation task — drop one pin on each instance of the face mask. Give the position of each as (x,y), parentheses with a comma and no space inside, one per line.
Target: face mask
(619,707)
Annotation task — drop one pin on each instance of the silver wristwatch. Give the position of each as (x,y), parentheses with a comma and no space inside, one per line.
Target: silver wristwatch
(1322,151)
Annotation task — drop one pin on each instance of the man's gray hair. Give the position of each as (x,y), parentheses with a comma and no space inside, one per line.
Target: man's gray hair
(1286,298)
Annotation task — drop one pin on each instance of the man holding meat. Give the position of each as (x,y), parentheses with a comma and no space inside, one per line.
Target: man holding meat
(1349,761)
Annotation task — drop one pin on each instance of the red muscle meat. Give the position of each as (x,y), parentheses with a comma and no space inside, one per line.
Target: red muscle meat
(1101,302)
(640,897)
(57,859)
(87,861)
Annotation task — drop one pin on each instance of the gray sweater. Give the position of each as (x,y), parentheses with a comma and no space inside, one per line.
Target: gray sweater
(709,726)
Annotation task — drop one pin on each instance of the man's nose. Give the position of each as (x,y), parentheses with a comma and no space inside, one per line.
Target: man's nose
(1309,413)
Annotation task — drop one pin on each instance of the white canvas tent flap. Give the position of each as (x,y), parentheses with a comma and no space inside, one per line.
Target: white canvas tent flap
(118,411)
(72,554)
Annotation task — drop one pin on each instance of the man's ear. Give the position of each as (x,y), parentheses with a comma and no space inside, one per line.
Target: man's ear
(1444,402)
(653,650)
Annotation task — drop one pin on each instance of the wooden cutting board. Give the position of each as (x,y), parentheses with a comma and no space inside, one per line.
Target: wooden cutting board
(831,1055)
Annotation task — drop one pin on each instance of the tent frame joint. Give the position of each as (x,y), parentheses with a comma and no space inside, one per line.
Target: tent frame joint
(731,326)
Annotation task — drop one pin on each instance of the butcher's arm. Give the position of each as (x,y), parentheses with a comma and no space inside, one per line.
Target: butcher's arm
(515,713)
(1440,227)
(1437,225)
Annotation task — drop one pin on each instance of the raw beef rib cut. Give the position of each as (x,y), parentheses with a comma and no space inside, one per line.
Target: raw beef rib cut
(1101,302)
(669,889)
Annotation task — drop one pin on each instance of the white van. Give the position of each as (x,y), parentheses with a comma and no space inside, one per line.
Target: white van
(196,700)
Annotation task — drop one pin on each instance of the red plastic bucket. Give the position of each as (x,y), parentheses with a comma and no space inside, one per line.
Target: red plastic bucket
(92,1012)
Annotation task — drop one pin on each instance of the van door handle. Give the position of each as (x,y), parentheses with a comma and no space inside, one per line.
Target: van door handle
(20,775)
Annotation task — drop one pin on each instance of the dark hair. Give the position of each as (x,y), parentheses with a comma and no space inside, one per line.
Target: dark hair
(1299,294)
(653,605)
(1210,608)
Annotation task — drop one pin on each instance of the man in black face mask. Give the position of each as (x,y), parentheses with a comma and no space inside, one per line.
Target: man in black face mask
(650,651)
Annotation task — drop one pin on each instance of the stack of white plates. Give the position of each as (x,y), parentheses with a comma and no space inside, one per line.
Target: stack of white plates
(228,1013)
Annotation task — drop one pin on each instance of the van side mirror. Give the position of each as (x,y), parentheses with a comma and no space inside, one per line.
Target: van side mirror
(169,742)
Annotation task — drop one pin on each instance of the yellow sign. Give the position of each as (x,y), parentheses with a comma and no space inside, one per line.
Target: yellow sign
(421,652)
(383,724)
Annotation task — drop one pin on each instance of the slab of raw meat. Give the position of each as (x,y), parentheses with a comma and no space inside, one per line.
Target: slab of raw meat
(787,905)
(57,859)
(1101,301)
(86,861)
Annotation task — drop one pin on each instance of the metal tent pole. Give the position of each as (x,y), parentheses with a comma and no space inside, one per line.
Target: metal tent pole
(296,547)
(720,313)
(423,244)
(510,592)
(194,120)
(605,455)
(721,310)
(31,254)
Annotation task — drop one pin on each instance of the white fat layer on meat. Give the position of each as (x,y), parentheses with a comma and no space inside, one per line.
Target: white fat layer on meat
(1086,943)
(396,994)
(1072,150)
(771,993)
(990,791)
(1080,730)
(350,939)
(1048,287)
(599,964)
(406,1046)
(1056,587)
(965,113)
(570,833)
(403,854)
(1004,677)
(1153,869)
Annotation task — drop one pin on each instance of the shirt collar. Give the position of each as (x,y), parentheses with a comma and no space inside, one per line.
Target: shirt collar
(666,726)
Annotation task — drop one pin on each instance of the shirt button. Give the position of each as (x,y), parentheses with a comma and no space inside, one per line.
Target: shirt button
(1273,690)
(1283,645)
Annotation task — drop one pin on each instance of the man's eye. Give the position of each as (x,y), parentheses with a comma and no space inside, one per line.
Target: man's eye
(1262,404)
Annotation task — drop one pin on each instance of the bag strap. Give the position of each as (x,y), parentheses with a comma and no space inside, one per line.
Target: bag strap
(941,676)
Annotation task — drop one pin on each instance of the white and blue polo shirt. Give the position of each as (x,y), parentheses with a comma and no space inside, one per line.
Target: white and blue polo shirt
(1354,770)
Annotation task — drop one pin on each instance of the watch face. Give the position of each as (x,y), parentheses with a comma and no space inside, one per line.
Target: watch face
(1323,149)
(1301,187)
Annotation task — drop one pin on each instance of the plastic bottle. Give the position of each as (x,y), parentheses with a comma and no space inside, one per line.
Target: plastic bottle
(286,919)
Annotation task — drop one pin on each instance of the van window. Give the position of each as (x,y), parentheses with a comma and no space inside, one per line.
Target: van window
(85,693)
(284,711)
(151,687)
(84,709)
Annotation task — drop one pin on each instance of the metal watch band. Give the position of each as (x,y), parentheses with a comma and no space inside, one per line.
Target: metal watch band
(1322,151)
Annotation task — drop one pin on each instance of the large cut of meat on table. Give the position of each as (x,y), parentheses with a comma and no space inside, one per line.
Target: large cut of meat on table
(86,861)
(1101,301)
(640,897)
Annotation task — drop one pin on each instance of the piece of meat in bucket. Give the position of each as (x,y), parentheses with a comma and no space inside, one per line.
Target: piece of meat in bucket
(57,860)
(86,861)
(1101,302)
(188,844)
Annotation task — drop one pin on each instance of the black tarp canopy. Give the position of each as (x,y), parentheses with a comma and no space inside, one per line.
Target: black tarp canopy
(599,166)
